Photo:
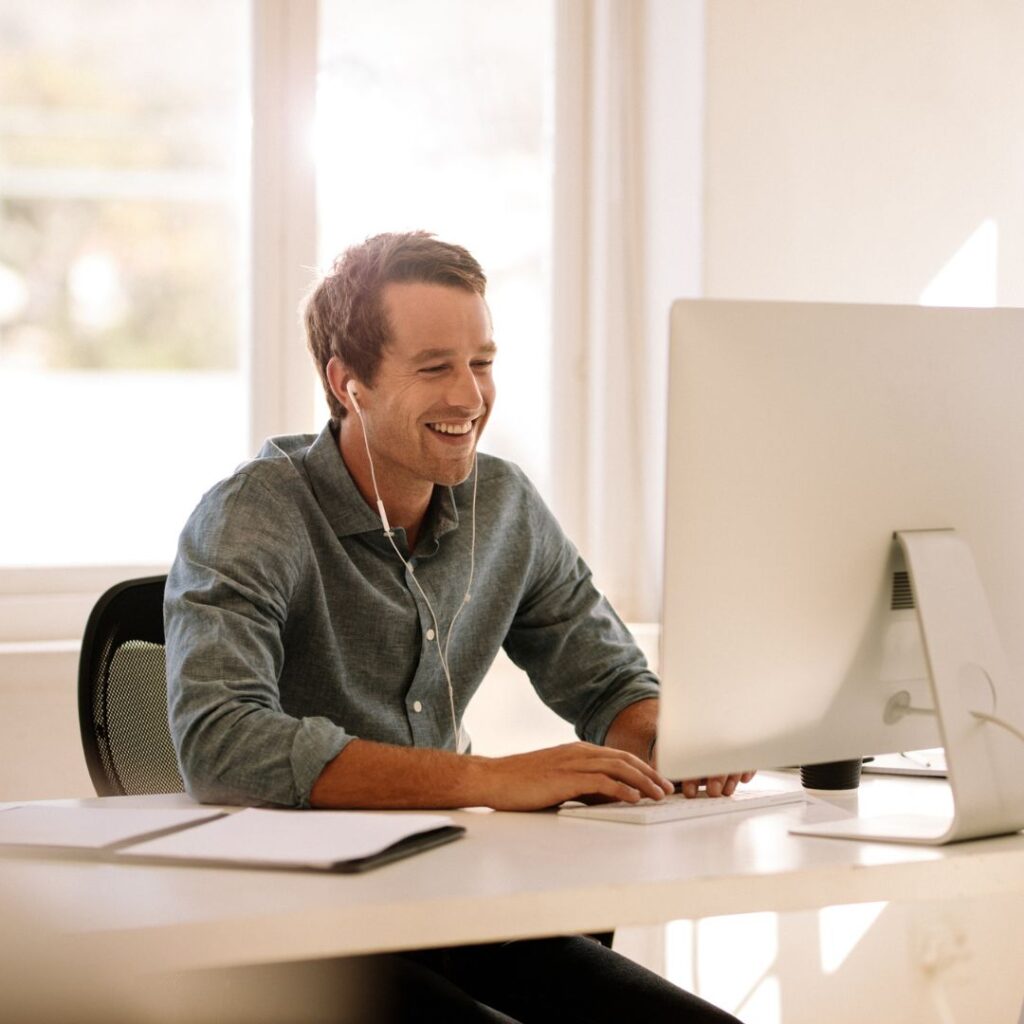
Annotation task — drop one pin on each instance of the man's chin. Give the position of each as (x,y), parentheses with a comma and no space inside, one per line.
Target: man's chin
(455,473)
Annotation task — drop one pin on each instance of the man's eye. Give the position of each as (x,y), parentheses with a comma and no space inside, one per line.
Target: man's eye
(433,369)
(483,364)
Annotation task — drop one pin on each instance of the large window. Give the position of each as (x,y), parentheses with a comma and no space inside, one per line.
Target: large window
(435,116)
(128,365)
(123,271)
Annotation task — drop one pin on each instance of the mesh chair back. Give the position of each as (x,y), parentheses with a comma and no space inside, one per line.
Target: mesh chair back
(122,693)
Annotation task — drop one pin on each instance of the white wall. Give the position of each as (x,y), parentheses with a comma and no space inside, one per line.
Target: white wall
(853,147)
(40,750)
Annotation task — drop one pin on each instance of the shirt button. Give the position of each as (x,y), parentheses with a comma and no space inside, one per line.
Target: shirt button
(430,634)
(417,706)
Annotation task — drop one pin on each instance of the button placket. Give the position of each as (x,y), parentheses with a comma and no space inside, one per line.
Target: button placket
(427,675)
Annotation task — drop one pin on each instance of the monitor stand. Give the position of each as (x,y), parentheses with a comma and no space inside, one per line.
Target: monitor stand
(969,677)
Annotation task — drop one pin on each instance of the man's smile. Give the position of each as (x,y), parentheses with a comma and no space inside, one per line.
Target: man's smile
(457,427)
(454,430)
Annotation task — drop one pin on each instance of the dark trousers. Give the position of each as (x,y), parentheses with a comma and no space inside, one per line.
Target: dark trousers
(536,981)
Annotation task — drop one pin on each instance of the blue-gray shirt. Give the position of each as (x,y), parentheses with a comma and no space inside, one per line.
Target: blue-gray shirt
(293,627)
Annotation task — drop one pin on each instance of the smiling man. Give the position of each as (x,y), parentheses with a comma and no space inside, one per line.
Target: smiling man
(337,601)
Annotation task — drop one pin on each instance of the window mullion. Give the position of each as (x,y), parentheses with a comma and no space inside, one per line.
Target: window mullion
(283,214)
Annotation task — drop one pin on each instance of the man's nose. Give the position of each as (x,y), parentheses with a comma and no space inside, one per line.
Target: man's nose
(464,392)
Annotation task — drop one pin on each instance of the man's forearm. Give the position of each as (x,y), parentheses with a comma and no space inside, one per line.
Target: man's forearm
(377,775)
(635,729)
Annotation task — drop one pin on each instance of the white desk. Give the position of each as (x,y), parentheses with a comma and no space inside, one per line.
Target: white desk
(513,875)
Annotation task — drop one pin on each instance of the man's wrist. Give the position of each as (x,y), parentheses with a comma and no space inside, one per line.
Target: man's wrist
(473,781)
(635,728)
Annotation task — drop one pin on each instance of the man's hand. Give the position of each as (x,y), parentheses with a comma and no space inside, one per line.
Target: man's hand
(636,729)
(377,775)
(716,785)
(575,771)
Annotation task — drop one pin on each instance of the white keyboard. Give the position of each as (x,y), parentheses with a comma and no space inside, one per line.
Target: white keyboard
(680,808)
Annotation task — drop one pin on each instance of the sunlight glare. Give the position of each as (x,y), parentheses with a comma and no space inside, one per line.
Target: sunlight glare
(971,275)
(730,961)
(842,928)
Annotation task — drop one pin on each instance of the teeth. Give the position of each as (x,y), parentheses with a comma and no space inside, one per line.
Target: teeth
(452,428)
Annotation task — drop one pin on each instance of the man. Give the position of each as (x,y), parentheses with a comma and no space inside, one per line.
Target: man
(336,602)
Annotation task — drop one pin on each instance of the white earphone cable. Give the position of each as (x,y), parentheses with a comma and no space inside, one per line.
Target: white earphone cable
(472,562)
(442,652)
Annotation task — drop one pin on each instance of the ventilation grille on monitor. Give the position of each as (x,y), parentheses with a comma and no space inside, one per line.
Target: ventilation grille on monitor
(902,592)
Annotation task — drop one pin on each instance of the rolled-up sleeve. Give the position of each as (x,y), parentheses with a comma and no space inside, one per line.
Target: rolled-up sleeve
(225,614)
(580,657)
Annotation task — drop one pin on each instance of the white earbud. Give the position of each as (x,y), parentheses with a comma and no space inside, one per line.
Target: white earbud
(351,389)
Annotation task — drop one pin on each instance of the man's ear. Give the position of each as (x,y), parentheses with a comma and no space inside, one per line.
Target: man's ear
(339,377)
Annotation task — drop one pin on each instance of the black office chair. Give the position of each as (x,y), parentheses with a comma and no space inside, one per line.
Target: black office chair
(122,693)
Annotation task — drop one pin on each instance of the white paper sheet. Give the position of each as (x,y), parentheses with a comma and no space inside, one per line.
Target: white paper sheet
(93,828)
(316,839)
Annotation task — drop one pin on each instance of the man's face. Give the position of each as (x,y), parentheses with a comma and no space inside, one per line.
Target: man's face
(433,390)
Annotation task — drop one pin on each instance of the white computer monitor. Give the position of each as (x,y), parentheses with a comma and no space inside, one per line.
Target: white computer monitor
(801,439)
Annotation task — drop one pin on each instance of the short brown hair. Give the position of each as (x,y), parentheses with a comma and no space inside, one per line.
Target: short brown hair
(344,313)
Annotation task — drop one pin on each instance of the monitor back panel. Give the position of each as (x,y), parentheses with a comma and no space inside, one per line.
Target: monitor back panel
(801,436)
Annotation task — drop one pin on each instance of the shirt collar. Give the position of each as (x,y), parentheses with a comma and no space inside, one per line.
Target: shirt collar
(442,517)
(345,508)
